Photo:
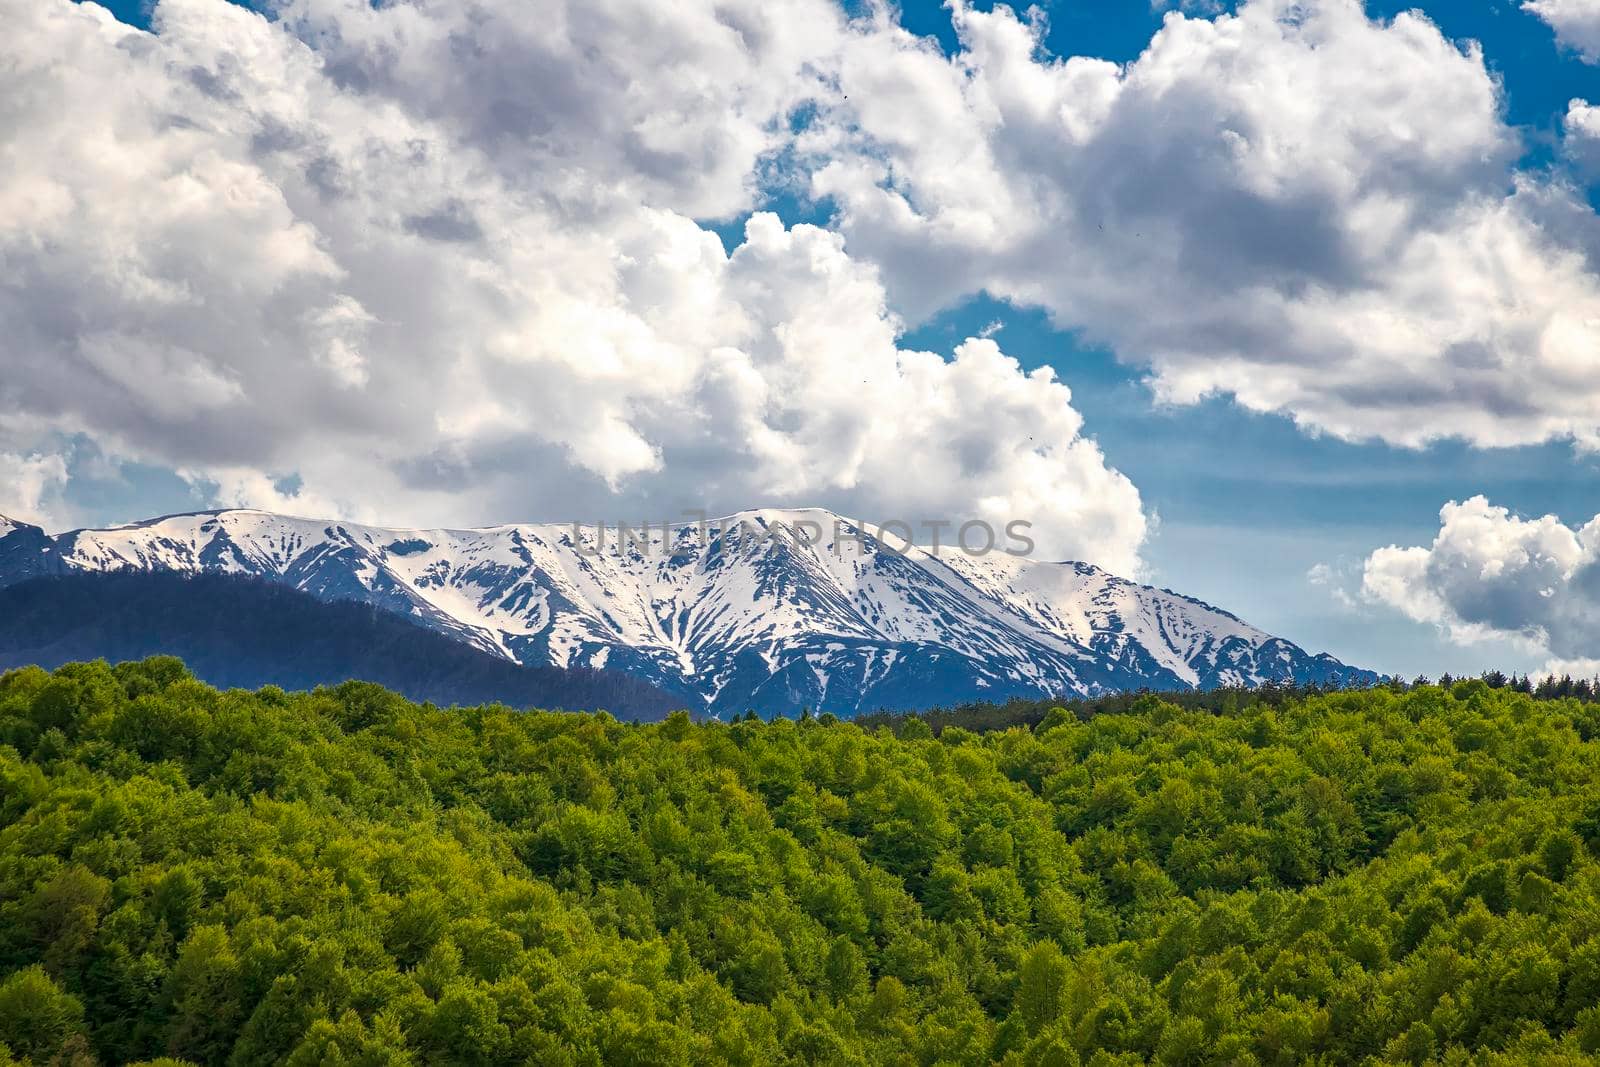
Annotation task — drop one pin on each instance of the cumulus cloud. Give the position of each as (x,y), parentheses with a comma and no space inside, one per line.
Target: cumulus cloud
(1576,22)
(440,263)
(1315,212)
(1571,668)
(32,482)
(449,262)
(1582,141)
(1492,574)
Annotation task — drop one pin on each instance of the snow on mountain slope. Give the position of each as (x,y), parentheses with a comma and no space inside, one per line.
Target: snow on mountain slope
(750,611)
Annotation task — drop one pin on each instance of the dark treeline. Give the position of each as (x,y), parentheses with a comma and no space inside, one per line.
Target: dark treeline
(1396,875)
(1030,713)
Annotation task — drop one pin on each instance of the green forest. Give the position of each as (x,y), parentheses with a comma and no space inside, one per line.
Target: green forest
(188,875)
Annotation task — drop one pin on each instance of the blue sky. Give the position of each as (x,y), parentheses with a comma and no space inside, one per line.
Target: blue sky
(1243,505)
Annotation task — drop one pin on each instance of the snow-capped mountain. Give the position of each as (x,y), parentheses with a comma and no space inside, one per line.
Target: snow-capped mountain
(752,611)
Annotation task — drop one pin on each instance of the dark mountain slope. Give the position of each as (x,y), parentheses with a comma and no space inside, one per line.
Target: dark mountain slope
(245,632)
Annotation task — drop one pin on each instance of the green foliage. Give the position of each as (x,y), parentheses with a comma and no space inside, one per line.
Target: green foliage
(36,1017)
(1391,876)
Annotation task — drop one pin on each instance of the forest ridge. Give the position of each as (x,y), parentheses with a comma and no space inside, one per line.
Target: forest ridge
(343,876)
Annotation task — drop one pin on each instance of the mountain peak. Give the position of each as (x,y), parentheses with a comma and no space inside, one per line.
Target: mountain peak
(9,525)
(842,624)
(762,517)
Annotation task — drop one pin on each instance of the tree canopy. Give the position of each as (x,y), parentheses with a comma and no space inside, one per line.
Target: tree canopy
(342,876)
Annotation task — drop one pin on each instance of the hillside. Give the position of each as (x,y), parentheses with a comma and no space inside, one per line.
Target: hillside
(769,609)
(237,631)
(345,877)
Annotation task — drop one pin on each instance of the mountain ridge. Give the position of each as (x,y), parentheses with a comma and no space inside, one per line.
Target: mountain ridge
(745,611)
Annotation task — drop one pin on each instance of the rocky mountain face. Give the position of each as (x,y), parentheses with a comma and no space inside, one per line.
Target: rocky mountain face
(752,611)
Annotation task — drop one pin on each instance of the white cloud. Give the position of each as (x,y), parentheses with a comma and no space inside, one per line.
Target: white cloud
(1571,668)
(29,485)
(1582,141)
(1333,580)
(1491,574)
(1576,22)
(1296,205)
(439,264)
(1191,7)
